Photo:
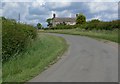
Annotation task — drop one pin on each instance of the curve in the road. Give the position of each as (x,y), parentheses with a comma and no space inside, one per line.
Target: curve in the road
(87,60)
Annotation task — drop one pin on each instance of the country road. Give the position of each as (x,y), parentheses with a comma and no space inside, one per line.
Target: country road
(87,60)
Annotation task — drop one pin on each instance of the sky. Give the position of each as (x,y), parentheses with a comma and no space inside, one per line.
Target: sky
(37,11)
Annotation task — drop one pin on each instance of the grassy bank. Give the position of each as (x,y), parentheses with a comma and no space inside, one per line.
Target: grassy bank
(31,62)
(102,34)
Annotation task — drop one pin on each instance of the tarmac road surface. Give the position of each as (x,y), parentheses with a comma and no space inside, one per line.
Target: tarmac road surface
(87,60)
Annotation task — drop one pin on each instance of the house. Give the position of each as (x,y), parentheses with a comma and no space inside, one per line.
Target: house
(67,20)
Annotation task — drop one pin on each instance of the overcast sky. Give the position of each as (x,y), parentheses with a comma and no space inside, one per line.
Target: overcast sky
(36,11)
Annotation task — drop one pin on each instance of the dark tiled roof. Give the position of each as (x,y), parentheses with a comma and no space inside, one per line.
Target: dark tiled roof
(64,19)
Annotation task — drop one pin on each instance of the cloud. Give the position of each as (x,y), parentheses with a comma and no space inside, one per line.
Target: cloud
(106,11)
(39,11)
(17,0)
(55,5)
(60,0)
(102,6)
(38,3)
(12,10)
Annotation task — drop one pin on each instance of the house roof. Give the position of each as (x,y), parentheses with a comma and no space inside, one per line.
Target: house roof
(64,19)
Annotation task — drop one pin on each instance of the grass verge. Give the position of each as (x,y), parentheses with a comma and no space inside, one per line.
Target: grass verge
(44,50)
(103,34)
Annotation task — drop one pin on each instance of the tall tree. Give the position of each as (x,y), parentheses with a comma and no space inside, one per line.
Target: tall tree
(39,26)
(49,21)
(81,19)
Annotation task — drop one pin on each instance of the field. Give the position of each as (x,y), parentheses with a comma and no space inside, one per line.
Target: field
(101,34)
(39,54)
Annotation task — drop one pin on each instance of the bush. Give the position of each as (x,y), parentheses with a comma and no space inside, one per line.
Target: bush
(94,21)
(15,37)
(81,19)
(64,27)
(104,26)
(98,25)
(88,26)
(115,24)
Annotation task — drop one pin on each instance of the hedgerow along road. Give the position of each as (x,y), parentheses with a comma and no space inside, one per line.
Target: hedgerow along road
(87,60)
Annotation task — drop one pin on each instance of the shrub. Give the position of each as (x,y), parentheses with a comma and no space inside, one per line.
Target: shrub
(15,37)
(88,26)
(81,19)
(64,27)
(115,24)
(94,21)
(39,26)
(104,26)
(98,25)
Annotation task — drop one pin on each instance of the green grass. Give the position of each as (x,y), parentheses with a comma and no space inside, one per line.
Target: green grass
(44,50)
(0,75)
(103,34)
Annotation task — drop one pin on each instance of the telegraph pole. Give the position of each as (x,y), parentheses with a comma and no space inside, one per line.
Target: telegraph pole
(19,18)
(119,10)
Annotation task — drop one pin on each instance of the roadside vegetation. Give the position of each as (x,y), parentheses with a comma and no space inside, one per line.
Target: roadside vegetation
(15,37)
(26,53)
(95,28)
(102,34)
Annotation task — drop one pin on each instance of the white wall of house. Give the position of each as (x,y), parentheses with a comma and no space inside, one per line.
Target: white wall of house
(71,23)
(68,23)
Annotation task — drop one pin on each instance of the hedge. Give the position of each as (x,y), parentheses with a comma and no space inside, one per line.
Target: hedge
(62,27)
(101,25)
(15,37)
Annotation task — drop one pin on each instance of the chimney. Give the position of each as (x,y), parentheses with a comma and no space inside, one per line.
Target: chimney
(54,15)
(76,15)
